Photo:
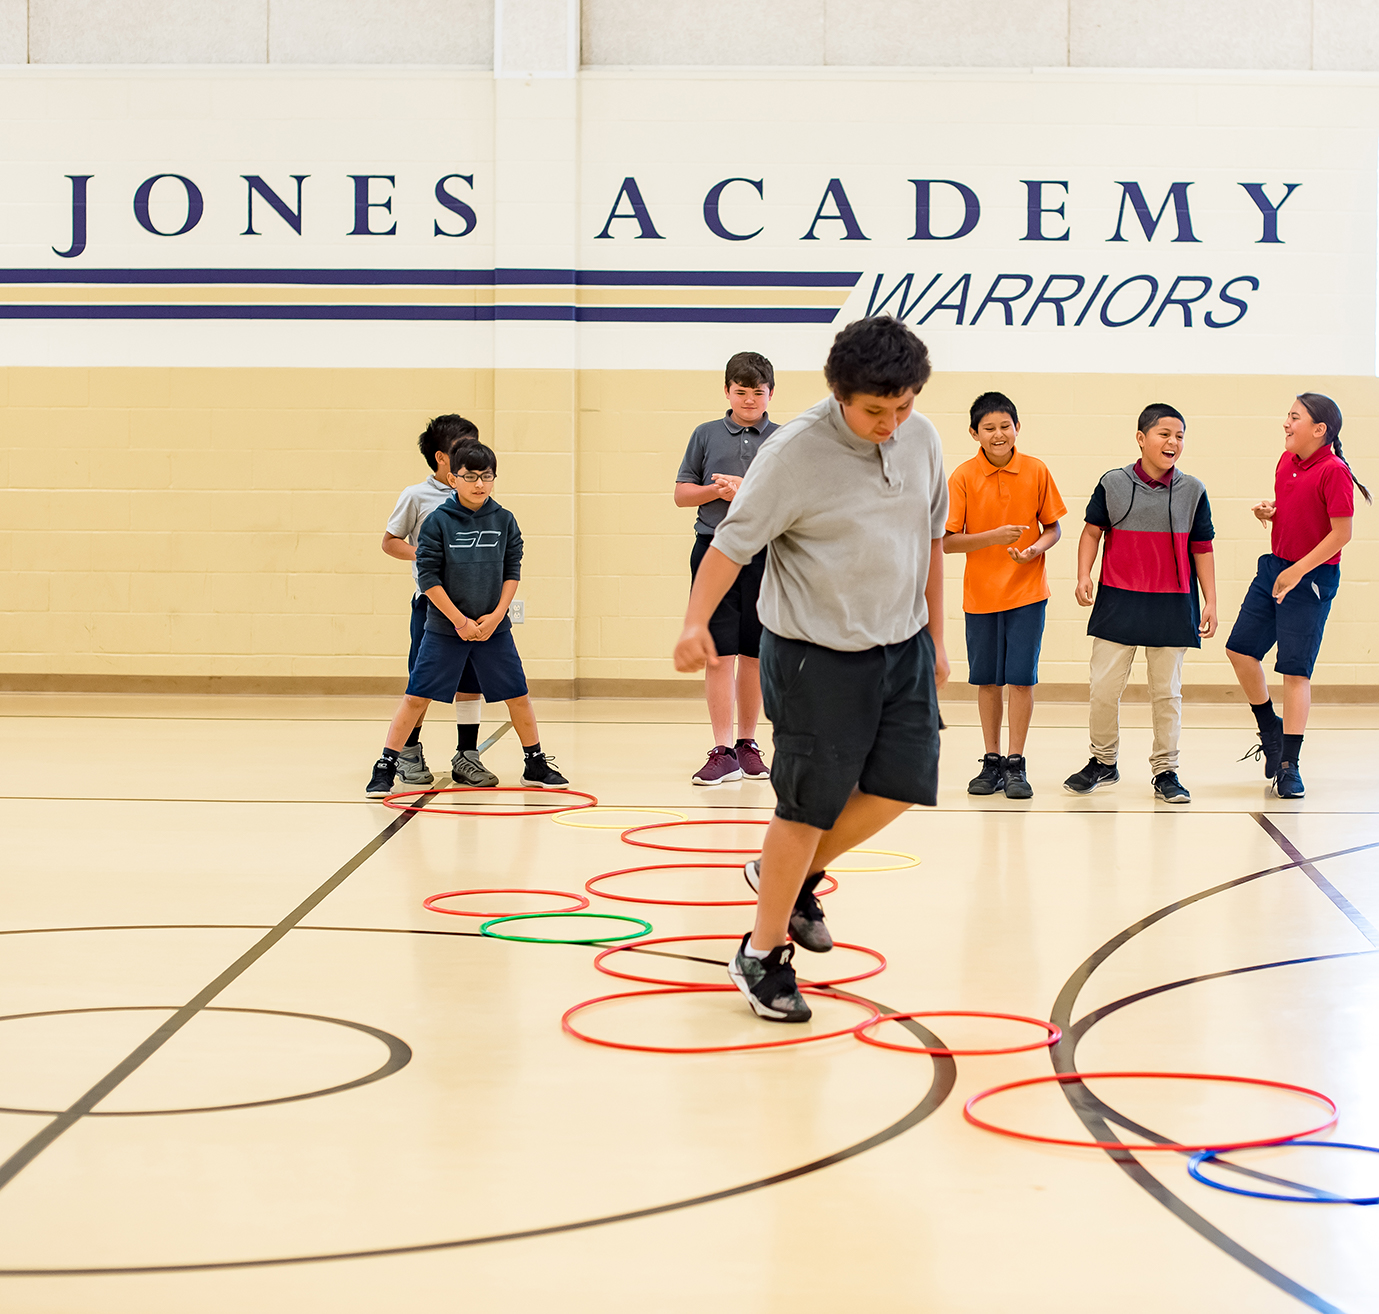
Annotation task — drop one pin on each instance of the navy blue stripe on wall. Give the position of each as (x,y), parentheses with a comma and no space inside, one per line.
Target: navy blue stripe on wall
(438,277)
(572,314)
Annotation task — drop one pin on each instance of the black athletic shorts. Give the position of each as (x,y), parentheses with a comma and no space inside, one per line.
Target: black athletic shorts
(842,719)
(734,626)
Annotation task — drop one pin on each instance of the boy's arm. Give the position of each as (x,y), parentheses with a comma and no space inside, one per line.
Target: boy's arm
(430,564)
(1050,535)
(1287,580)
(1000,537)
(397,547)
(450,611)
(933,597)
(1206,576)
(487,624)
(713,579)
(696,494)
(1087,547)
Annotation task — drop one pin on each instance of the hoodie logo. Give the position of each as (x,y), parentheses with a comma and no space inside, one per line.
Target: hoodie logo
(483,538)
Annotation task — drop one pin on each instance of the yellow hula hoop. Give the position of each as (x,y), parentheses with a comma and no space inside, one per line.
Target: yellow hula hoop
(909,861)
(560,817)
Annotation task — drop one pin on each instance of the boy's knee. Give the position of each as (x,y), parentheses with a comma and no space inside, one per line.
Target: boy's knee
(1020,688)
(1293,681)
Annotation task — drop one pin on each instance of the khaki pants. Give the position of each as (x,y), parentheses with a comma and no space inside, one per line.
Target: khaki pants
(1110,672)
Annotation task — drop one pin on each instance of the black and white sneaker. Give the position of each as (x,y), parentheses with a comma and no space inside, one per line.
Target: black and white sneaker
(1016,783)
(1170,789)
(769,984)
(467,768)
(1092,776)
(1288,782)
(540,773)
(412,768)
(991,779)
(807,927)
(381,782)
(1269,748)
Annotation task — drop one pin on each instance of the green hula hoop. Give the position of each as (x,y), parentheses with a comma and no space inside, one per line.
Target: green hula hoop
(537,939)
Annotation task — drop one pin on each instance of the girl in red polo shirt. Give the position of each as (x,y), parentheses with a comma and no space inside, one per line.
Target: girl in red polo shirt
(1290,597)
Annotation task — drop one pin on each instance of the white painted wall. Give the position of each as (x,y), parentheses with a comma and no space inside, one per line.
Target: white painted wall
(1223,34)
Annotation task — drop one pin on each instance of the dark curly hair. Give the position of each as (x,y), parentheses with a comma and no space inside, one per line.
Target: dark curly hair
(879,356)
(442,432)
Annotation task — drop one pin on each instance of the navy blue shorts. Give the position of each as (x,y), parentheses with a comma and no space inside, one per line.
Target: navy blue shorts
(445,660)
(1003,646)
(1295,624)
(849,719)
(734,626)
(469,682)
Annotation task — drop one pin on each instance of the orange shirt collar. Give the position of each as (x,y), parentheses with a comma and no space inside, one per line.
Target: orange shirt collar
(1010,467)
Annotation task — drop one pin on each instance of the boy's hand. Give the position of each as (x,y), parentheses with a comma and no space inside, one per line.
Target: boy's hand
(942,667)
(1007,534)
(1264,512)
(1084,591)
(1208,626)
(695,649)
(466,629)
(1024,556)
(1286,582)
(485,625)
(727,486)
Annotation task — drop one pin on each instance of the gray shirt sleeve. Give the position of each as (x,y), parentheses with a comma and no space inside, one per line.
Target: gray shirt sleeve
(938,487)
(766,505)
(405,518)
(692,467)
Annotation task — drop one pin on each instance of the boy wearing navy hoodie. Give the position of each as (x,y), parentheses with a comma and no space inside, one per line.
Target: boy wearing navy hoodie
(469,562)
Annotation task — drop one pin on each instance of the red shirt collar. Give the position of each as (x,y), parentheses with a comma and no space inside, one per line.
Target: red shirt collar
(1142,473)
(1320,454)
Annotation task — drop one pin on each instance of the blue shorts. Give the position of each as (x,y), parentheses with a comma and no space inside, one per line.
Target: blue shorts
(444,661)
(469,682)
(1003,646)
(1295,624)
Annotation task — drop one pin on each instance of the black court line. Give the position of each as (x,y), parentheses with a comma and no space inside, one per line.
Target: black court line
(1357,918)
(1096,1116)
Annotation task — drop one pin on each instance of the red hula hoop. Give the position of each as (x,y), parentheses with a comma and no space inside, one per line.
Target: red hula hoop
(707,1049)
(430,901)
(681,848)
(1054,1036)
(1065,1077)
(684,903)
(676,939)
(391,801)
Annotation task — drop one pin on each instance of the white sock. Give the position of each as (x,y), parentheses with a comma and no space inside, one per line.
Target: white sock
(755,953)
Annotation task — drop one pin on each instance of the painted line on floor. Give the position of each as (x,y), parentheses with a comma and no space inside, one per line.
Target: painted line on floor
(1357,919)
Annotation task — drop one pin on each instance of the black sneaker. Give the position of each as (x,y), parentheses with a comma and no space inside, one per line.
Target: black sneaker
(769,984)
(1270,748)
(1288,782)
(1092,776)
(381,783)
(540,773)
(807,927)
(1168,787)
(992,777)
(1016,786)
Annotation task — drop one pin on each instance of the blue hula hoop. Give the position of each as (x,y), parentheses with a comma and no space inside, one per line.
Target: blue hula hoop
(1195,1162)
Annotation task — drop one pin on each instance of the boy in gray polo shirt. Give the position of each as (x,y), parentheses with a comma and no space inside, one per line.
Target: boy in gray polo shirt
(850,502)
(715,462)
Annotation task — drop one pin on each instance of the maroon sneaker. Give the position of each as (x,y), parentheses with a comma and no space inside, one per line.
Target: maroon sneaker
(721,768)
(749,759)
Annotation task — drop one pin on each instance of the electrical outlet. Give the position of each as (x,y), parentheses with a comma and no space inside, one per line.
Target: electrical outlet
(517,613)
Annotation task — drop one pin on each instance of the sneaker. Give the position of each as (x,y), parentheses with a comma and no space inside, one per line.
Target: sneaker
(1170,789)
(467,768)
(807,927)
(1016,785)
(412,768)
(721,768)
(748,755)
(1270,748)
(769,984)
(991,778)
(381,783)
(540,772)
(1092,776)
(1288,782)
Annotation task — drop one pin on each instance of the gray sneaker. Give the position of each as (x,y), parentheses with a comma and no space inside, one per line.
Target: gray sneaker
(467,768)
(769,984)
(412,768)
(807,927)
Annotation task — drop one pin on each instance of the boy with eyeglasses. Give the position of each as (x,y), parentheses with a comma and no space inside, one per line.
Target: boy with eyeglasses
(469,562)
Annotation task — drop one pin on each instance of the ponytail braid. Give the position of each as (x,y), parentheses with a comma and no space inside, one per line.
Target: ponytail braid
(1325,411)
(1336,447)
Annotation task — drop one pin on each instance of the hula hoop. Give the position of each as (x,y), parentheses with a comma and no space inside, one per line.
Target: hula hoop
(1173,1146)
(390,801)
(1195,1163)
(684,903)
(1054,1036)
(677,939)
(681,848)
(707,1049)
(647,928)
(588,825)
(910,861)
(430,901)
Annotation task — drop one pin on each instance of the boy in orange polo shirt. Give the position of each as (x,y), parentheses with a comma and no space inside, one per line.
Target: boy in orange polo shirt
(1003,511)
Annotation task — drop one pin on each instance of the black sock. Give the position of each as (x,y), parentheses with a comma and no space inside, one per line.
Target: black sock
(532,750)
(414,738)
(1265,716)
(1292,749)
(811,883)
(391,754)
(467,737)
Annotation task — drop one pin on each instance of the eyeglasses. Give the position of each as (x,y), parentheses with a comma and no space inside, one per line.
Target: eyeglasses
(471,478)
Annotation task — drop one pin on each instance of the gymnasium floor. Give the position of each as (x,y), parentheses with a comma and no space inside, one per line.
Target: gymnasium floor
(370,1107)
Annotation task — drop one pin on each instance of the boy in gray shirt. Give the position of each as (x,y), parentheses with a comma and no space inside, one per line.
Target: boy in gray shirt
(850,501)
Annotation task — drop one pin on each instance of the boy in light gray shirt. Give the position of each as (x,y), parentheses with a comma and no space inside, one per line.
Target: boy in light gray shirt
(850,501)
